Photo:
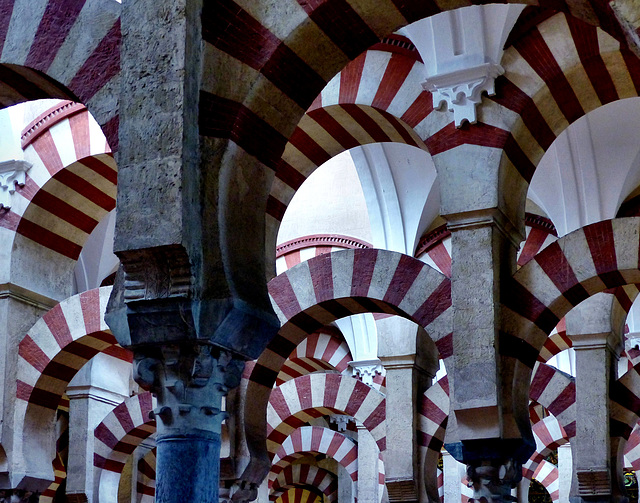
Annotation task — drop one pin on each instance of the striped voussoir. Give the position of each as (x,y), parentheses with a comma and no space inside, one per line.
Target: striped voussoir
(60,343)
(556,392)
(589,260)
(624,403)
(300,495)
(315,439)
(60,474)
(547,474)
(440,478)
(121,431)
(320,351)
(146,483)
(434,412)
(556,343)
(632,449)
(549,435)
(72,184)
(295,402)
(305,475)
(62,49)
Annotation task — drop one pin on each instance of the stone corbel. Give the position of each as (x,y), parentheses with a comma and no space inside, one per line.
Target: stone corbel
(462,90)
(12,173)
(341,421)
(366,370)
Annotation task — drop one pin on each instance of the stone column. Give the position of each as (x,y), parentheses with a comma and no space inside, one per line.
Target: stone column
(368,487)
(596,348)
(95,390)
(453,472)
(410,361)
(190,381)
(565,472)
(488,427)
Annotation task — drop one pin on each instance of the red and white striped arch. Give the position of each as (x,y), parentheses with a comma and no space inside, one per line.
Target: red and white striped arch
(71,185)
(62,49)
(60,343)
(295,402)
(315,439)
(434,412)
(323,350)
(299,495)
(305,475)
(547,474)
(556,392)
(549,435)
(116,437)
(589,260)
(146,483)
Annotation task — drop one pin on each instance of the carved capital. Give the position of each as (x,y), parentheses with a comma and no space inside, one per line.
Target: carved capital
(190,381)
(12,173)
(366,370)
(493,480)
(18,496)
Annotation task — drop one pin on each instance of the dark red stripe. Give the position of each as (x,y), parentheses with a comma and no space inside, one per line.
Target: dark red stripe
(436,304)
(334,128)
(289,175)
(100,67)
(110,130)
(58,18)
(403,278)
(394,76)
(64,211)
(101,168)
(358,395)
(564,400)
(554,263)
(32,353)
(350,78)
(224,118)
(519,159)
(6,9)
(321,271)
(633,66)
(585,37)
(364,262)
(406,136)
(413,10)
(477,134)
(85,188)
(48,239)
(515,347)
(367,123)
(282,292)
(308,146)
(342,24)
(275,208)
(512,97)
(520,300)
(445,346)
(603,252)
(535,51)
(233,30)
(419,109)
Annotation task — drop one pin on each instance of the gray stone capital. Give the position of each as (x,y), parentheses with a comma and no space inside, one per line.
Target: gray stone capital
(190,381)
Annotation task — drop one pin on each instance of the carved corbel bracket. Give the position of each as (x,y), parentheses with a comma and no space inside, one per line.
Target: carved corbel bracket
(12,173)
(461,90)
(366,370)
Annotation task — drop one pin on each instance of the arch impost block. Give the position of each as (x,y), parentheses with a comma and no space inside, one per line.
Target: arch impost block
(484,218)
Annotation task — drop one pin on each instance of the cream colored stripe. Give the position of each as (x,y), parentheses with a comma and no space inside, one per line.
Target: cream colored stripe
(620,75)
(381,16)
(355,129)
(321,136)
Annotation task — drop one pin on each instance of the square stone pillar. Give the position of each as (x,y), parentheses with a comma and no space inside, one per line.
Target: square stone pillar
(368,470)
(565,472)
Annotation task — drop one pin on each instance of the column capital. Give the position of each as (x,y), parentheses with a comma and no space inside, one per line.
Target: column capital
(190,381)
(366,370)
